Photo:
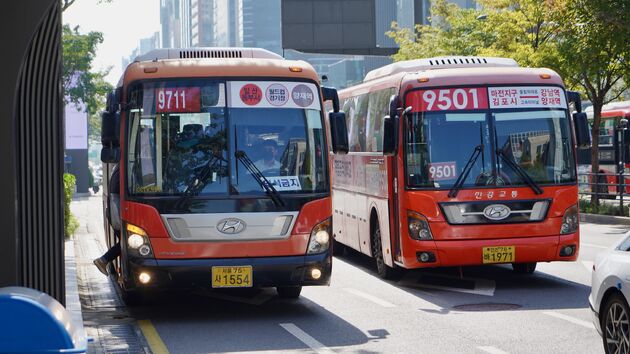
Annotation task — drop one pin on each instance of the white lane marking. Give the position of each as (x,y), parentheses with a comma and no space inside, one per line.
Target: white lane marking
(305,338)
(492,350)
(588,265)
(482,286)
(570,319)
(369,297)
(592,245)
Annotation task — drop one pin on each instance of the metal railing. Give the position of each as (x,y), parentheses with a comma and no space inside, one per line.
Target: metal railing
(606,186)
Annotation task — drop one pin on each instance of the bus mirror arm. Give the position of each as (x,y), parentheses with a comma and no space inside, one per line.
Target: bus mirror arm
(330,94)
(582,136)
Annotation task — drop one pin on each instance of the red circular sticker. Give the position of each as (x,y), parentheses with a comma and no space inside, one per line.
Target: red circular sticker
(251,94)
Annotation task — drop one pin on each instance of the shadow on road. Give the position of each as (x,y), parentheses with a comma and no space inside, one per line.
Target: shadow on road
(193,322)
(453,287)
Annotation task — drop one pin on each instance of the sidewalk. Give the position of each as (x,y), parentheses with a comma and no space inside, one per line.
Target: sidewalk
(104,315)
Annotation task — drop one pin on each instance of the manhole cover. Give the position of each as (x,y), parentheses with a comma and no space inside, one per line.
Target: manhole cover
(487,307)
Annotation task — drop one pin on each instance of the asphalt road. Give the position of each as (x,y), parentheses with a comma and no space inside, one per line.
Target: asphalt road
(490,310)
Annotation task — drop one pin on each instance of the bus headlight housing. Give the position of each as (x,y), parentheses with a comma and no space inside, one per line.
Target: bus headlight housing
(570,221)
(320,237)
(418,226)
(138,241)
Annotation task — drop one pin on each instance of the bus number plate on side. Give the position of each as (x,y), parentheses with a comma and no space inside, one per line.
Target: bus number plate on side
(232,277)
(499,254)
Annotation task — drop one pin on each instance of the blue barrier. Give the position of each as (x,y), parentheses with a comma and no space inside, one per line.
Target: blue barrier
(33,322)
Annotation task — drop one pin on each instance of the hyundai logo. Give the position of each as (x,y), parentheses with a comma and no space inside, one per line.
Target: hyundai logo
(231,226)
(496,212)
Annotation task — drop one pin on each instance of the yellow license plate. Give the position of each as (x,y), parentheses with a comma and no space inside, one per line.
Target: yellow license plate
(232,277)
(499,254)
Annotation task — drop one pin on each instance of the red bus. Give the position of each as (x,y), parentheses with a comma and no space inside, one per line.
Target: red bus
(224,176)
(609,144)
(458,161)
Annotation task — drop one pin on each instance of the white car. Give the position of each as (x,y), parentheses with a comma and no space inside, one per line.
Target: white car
(610,292)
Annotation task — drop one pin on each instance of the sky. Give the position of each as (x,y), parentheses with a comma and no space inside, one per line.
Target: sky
(122,22)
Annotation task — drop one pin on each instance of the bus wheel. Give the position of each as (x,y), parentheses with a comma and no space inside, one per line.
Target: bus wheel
(384,271)
(131,298)
(338,248)
(524,268)
(289,292)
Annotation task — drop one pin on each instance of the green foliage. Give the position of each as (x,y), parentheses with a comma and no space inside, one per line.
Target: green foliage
(586,206)
(514,29)
(80,82)
(71,224)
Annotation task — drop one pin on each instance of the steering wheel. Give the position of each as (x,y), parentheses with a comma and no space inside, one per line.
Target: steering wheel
(492,179)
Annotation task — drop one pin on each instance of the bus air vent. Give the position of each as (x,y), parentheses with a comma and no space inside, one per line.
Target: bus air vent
(411,66)
(210,52)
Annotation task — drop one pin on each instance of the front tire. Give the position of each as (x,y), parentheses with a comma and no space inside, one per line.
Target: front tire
(384,271)
(524,268)
(615,319)
(289,292)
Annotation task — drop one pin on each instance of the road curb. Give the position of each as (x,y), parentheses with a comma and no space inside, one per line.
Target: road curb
(604,219)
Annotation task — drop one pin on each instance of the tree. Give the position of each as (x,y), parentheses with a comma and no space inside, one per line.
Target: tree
(586,41)
(594,44)
(81,83)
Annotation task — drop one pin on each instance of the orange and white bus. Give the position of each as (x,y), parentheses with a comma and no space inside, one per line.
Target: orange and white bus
(225,180)
(458,161)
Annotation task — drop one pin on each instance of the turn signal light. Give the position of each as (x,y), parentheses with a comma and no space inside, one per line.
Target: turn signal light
(150,70)
(423,79)
(545,76)
(295,69)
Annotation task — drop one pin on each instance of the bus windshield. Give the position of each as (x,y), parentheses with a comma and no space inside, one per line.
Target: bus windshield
(184,136)
(440,144)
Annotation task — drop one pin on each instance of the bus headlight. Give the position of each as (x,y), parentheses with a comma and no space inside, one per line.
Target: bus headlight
(135,241)
(570,222)
(418,226)
(138,241)
(320,238)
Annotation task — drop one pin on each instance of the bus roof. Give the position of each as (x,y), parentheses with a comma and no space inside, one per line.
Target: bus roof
(232,62)
(449,62)
(207,52)
(482,76)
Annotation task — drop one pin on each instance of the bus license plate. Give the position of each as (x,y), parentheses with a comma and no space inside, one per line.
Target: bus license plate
(232,277)
(499,254)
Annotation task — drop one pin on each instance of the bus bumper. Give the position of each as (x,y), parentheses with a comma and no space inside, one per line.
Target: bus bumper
(470,252)
(197,273)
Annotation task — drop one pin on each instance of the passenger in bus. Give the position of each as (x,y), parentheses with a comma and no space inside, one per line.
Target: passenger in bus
(113,215)
(269,161)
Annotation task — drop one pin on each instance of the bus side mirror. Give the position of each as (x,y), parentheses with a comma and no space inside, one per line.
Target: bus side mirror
(110,138)
(338,132)
(390,136)
(110,154)
(330,94)
(582,136)
(575,99)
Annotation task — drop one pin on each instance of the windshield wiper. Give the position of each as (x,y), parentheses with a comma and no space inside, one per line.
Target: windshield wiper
(260,178)
(462,176)
(520,171)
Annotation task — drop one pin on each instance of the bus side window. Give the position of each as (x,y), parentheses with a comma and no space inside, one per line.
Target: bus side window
(356,126)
